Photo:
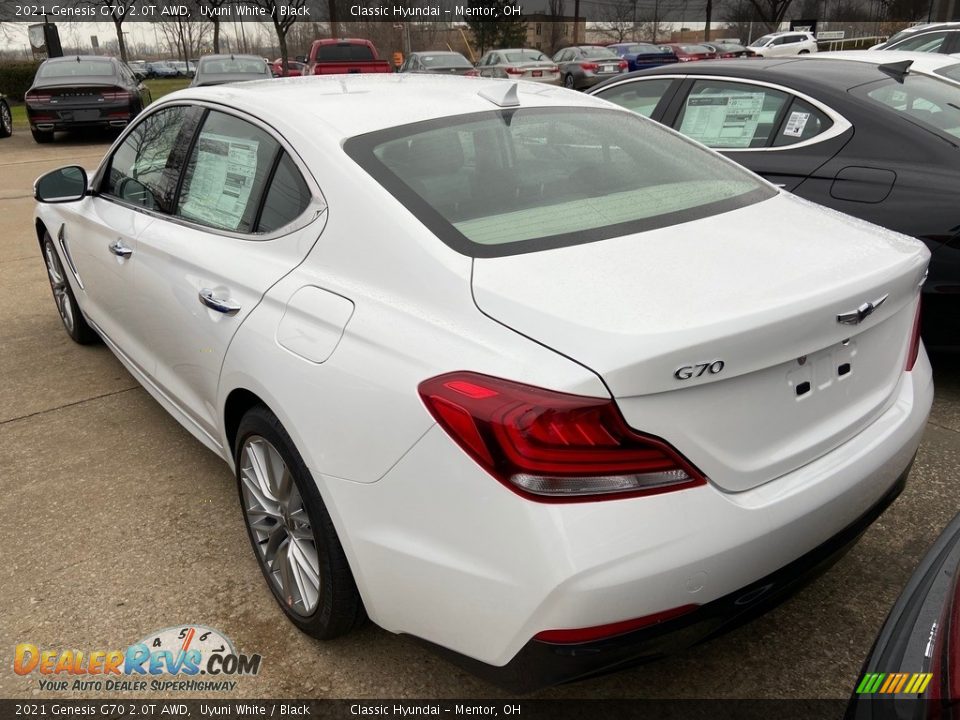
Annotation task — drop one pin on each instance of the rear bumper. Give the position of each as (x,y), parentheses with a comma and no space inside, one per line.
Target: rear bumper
(443,552)
(56,119)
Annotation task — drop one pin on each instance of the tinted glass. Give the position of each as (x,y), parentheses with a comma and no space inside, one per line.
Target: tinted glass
(951,71)
(598,53)
(503,182)
(641,96)
(927,42)
(145,168)
(344,53)
(226,173)
(76,68)
(761,41)
(730,115)
(287,197)
(524,55)
(236,66)
(933,103)
(803,122)
(445,60)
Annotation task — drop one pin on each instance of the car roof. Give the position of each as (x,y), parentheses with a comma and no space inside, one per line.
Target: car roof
(228,56)
(75,58)
(349,105)
(923,62)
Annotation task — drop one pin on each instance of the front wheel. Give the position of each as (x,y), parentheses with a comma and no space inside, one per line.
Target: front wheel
(73,320)
(291,531)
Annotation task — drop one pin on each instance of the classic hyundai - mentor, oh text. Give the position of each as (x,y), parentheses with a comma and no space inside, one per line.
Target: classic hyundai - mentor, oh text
(510,369)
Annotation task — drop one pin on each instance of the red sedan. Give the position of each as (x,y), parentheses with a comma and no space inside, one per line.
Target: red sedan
(688,52)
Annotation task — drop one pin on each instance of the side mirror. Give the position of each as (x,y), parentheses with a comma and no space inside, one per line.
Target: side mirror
(66,184)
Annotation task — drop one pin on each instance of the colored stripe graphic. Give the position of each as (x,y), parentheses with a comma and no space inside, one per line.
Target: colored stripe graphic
(894,683)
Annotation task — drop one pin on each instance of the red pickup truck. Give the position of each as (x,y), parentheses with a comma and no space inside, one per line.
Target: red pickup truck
(346,55)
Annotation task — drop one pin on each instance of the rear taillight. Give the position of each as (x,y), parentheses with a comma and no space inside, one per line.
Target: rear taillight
(592,67)
(513,71)
(624,65)
(117,95)
(472,73)
(554,69)
(35,97)
(552,446)
(601,632)
(914,350)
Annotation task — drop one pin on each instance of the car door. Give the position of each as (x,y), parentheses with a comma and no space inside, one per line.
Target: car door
(769,129)
(244,217)
(100,233)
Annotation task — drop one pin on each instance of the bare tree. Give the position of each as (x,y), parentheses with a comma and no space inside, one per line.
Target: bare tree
(283,14)
(118,10)
(213,17)
(771,12)
(618,20)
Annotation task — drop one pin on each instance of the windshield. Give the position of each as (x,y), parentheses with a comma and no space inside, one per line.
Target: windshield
(445,60)
(76,68)
(933,103)
(524,55)
(233,66)
(761,41)
(511,181)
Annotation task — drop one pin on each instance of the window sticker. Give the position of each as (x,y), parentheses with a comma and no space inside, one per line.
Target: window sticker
(796,124)
(222,180)
(722,120)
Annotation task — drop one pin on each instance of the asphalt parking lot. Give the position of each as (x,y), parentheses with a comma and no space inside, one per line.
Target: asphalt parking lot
(119,523)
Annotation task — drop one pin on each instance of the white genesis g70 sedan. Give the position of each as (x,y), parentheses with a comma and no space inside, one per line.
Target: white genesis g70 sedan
(506,368)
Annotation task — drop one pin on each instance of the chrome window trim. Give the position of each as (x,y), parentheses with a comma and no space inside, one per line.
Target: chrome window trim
(314,210)
(840,123)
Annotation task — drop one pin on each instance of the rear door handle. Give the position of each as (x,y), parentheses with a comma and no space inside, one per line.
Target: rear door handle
(119,249)
(221,305)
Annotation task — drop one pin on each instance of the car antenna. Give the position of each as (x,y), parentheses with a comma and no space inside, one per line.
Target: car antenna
(502,99)
(897,70)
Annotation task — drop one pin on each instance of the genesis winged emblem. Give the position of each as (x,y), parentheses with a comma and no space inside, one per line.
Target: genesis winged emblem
(855,317)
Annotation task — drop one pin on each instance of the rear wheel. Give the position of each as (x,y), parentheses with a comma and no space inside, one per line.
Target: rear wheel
(568,82)
(6,120)
(42,136)
(73,320)
(291,531)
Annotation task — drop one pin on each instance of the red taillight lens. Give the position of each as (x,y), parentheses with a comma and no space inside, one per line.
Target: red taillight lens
(600,632)
(35,97)
(914,350)
(115,95)
(592,67)
(513,71)
(553,446)
(624,65)
(472,73)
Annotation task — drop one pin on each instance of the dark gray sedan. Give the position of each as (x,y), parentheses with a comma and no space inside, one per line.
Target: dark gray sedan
(220,69)
(584,66)
(442,62)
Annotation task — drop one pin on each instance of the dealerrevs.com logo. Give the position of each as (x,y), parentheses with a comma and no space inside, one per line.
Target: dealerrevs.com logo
(188,658)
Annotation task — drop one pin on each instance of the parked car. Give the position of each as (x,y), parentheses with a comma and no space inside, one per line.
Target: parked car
(83,91)
(138,68)
(6,118)
(294,68)
(512,436)
(687,52)
(781,44)
(725,51)
(442,62)
(940,37)
(643,55)
(518,64)
(184,68)
(584,66)
(937,65)
(332,56)
(915,656)
(221,69)
(872,140)
(160,69)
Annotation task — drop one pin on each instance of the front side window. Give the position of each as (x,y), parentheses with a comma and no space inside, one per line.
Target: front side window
(730,115)
(642,96)
(928,101)
(225,176)
(143,171)
(928,42)
(761,41)
(511,181)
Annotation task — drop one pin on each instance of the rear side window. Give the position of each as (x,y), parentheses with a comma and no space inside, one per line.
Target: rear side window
(226,174)
(287,197)
(802,122)
(144,169)
(641,96)
(727,115)
(511,181)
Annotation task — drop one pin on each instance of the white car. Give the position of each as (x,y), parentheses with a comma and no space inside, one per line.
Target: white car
(938,37)
(781,44)
(512,369)
(936,65)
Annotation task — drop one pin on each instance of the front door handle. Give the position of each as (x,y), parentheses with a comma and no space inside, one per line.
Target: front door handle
(119,249)
(225,306)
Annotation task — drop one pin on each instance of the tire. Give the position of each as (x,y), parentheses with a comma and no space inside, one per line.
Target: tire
(42,136)
(6,120)
(293,539)
(804,52)
(70,315)
(568,82)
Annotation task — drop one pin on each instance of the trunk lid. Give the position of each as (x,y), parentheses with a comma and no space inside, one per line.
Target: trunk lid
(794,382)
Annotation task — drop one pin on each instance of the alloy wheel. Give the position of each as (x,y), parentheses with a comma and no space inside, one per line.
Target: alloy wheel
(58,284)
(278,522)
(6,120)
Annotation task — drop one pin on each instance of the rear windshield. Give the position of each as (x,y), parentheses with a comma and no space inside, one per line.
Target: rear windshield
(76,68)
(647,49)
(513,181)
(445,60)
(694,49)
(523,55)
(598,52)
(344,53)
(234,66)
(925,100)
